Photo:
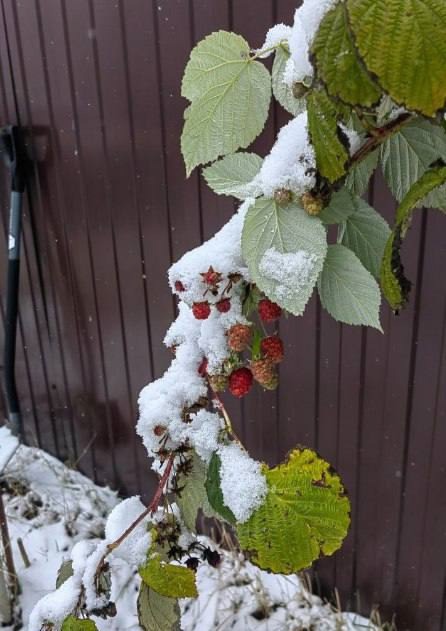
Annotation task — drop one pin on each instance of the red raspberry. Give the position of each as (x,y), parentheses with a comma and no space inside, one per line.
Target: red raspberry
(272,348)
(268,310)
(239,336)
(179,286)
(159,430)
(203,367)
(240,382)
(201,310)
(263,371)
(223,305)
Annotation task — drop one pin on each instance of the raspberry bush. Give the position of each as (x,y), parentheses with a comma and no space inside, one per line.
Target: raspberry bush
(364,82)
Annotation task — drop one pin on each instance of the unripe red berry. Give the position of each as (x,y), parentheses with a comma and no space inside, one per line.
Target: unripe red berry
(239,336)
(224,305)
(201,310)
(268,310)
(203,367)
(263,371)
(179,286)
(240,382)
(272,348)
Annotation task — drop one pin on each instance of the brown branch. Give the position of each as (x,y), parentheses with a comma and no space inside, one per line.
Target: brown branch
(378,136)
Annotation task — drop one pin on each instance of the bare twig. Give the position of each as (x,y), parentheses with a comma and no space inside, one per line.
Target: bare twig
(12,580)
(23,552)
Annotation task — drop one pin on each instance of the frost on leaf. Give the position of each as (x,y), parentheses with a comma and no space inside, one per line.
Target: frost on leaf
(304,515)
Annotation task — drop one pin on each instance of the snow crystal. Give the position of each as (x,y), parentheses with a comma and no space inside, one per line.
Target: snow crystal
(307,19)
(292,270)
(275,35)
(291,162)
(8,446)
(134,548)
(354,139)
(243,485)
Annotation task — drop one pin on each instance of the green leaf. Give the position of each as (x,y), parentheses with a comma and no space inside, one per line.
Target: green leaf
(64,573)
(214,492)
(76,624)
(359,175)
(406,155)
(403,43)
(284,249)
(174,581)
(394,284)
(156,612)
(338,64)
(230,95)
(282,92)
(193,494)
(365,233)
(305,515)
(341,206)
(331,154)
(347,290)
(232,174)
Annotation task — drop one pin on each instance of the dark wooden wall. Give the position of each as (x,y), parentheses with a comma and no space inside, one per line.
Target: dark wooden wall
(96,84)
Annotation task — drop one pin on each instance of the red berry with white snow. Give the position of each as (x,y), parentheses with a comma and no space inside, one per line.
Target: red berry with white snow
(201,310)
(224,305)
(272,348)
(240,382)
(268,310)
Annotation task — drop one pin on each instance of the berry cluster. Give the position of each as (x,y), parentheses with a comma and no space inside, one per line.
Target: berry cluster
(212,281)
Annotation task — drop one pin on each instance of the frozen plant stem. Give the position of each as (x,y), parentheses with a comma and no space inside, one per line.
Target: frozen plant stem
(12,581)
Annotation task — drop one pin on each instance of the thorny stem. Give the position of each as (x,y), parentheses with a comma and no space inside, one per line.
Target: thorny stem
(151,508)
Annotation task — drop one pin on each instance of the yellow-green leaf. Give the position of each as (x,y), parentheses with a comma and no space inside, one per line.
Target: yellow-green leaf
(174,581)
(338,64)
(403,42)
(77,624)
(305,514)
(331,153)
(394,284)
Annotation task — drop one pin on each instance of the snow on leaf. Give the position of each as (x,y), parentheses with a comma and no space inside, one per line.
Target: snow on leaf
(173,581)
(305,515)
(285,250)
(156,612)
(347,290)
(214,492)
(403,43)
(230,95)
(282,92)
(232,174)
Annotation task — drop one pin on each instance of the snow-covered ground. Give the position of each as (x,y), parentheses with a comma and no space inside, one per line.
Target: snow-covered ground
(51,507)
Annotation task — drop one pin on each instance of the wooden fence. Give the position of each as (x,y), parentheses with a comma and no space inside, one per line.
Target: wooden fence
(96,85)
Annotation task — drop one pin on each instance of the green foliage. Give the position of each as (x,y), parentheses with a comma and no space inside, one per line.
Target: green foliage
(231,174)
(347,290)
(214,492)
(287,231)
(359,175)
(193,494)
(305,515)
(331,153)
(230,94)
(283,93)
(77,624)
(341,206)
(64,573)
(394,285)
(407,155)
(403,43)
(173,581)
(338,64)
(156,612)
(365,233)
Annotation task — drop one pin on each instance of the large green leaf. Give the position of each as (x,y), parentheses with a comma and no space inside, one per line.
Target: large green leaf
(214,492)
(331,153)
(403,43)
(347,290)
(341,206)
(77,624)
(232,174)
(282,92)
(338,64)
(156,612)
(170,580)
(230,95)
(359,175)
(394,284)
(285,250)
(365,232)
(305,515)
(406,155)
(193,496)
